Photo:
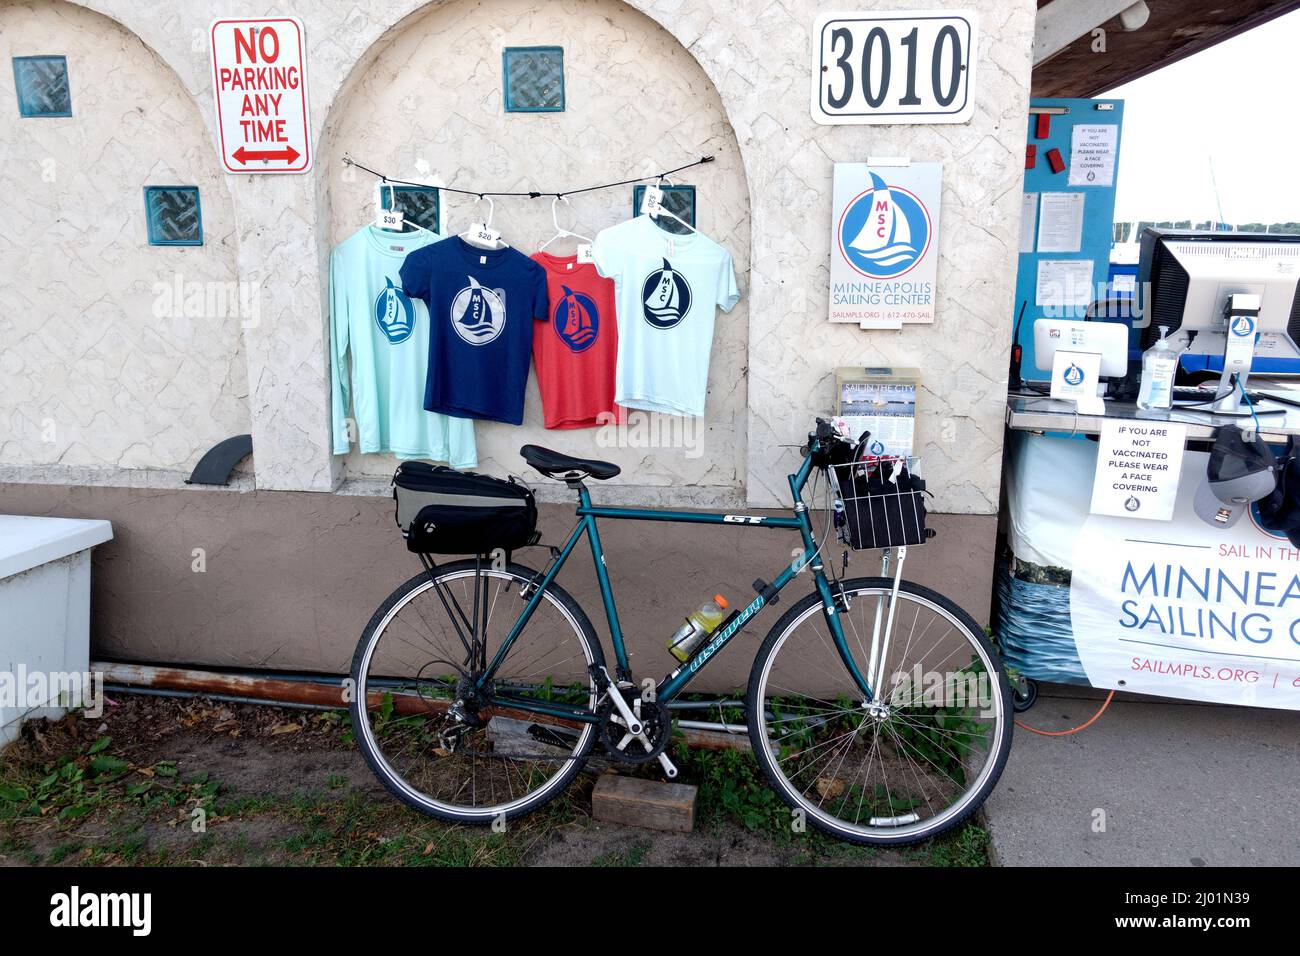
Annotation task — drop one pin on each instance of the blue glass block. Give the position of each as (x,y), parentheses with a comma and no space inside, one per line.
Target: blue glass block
(678,200)
(42,86)
(173,215)
(419,204)
(533,79)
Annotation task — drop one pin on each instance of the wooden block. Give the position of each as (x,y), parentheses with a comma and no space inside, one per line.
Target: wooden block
(653,804)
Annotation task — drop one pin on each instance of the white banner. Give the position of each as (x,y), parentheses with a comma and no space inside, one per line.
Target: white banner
(1175,609)
(1187,610)
(884,243)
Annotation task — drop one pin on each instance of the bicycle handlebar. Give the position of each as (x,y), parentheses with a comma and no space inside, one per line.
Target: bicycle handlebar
(820,441)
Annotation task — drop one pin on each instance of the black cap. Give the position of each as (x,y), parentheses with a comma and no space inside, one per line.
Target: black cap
(1279,511)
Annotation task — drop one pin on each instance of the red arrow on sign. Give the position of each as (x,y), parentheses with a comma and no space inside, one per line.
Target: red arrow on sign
(288,154)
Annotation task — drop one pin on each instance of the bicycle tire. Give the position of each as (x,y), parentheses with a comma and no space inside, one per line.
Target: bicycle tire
(379,765)
(796,615)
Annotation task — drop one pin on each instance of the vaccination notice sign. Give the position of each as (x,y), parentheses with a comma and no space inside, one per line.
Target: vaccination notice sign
(259,75)
(1138,464)
(884,243)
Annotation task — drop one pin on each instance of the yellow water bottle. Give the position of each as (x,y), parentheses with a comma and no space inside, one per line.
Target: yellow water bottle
(698,625)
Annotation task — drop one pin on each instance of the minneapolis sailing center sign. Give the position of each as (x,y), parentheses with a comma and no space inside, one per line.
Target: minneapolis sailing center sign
(884,243)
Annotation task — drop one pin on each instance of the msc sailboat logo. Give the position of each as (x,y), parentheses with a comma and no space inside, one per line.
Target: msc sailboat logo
(884,231)
(1073,375)
(394,314)
(667,297)
(577,322)
(477,314)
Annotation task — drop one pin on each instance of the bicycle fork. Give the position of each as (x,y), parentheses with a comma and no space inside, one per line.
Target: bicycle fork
(879,641)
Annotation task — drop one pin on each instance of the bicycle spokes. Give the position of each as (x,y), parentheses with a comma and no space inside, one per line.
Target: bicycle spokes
(446,738)
(904,760)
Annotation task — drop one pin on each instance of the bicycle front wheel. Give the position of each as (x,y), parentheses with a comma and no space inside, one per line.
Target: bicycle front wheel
(909,761)
(437,740)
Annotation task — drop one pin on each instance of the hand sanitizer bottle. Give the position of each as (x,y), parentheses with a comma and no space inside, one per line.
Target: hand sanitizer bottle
(1158,366)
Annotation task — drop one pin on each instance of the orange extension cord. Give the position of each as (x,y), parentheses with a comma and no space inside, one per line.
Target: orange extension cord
(1072,730)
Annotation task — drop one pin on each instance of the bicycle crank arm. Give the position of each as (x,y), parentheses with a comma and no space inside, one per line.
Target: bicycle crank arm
(629,719)
(670,769)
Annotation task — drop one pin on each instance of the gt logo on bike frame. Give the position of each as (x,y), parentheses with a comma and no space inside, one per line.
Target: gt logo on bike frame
(743,519)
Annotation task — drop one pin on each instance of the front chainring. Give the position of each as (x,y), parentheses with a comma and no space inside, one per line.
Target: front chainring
(657,724)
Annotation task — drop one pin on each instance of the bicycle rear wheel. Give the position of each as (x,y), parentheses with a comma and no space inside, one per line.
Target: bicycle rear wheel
(917,759)
(434,743)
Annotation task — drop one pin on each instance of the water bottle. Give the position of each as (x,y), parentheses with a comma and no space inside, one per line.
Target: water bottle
(698,625)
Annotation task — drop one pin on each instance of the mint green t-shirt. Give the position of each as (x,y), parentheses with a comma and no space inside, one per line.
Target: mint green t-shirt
(387,333)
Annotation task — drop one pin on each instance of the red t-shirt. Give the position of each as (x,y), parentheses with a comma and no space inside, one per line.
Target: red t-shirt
(577,352)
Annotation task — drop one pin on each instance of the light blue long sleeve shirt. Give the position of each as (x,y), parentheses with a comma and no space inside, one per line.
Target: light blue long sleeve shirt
(387,334)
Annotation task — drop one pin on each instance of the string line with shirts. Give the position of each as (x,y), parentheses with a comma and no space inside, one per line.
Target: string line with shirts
(529,194)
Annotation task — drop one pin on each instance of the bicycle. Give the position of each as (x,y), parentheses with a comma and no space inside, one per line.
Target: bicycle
(472,713)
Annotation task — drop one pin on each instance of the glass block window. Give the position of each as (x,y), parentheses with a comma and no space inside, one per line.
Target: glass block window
(533,79)
(42,86)
(678,200)
(419,204)
(173,215)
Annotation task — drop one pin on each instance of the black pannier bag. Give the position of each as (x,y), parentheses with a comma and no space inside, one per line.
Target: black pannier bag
(879,512)
(444,511)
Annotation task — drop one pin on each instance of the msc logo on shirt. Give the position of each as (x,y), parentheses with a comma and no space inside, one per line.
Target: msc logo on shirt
(884,231)
(667,297)
(477,314)
(394,314)
(577,321)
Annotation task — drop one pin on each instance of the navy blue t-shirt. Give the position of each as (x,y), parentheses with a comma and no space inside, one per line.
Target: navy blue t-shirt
(482,305)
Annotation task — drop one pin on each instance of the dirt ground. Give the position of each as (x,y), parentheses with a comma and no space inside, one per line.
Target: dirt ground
(163,781)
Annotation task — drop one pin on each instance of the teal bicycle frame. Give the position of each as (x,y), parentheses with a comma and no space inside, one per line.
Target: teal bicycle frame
(672,684)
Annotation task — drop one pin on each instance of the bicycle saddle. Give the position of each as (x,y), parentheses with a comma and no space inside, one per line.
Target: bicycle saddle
(552,464)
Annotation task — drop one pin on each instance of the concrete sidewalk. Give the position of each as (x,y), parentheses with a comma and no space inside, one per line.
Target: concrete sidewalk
(1153,783)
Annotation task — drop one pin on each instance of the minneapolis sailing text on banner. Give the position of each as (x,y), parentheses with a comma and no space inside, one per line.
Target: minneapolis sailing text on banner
(884,243)
(259,76)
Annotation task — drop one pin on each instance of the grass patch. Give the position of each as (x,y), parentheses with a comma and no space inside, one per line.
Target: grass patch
(71,794)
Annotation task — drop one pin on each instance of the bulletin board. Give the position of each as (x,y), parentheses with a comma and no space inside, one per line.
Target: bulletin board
(1079,172)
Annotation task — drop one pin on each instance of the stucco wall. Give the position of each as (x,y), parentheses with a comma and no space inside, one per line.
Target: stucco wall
(635,101)
(757,55)
(103,365)
(334,558)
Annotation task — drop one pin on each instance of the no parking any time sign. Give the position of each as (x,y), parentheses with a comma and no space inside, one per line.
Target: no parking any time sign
(259,76)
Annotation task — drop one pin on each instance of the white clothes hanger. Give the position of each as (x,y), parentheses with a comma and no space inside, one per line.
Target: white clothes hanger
(560,231)
(481,234)
(663,210)
(380,209)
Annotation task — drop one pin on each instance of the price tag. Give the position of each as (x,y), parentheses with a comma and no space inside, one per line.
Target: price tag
(482,232)
(584,253)
(386,218)
(652,201)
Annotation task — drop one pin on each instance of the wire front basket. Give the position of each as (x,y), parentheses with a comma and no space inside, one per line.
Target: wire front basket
(880,503)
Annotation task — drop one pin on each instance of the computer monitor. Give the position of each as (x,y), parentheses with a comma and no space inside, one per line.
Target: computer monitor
(1186,278)
(1109,339)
